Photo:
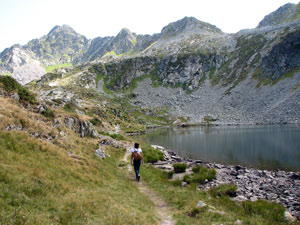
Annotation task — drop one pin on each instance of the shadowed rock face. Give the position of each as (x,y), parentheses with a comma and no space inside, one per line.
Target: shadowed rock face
(283,57)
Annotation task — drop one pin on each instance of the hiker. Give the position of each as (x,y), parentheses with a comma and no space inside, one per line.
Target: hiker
(136,159)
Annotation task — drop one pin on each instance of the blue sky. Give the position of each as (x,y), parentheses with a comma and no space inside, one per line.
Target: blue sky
(23,20)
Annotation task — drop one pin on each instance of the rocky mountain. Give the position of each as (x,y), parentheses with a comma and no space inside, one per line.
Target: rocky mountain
(193,57)
(286,13)
(21,64)
(61,45)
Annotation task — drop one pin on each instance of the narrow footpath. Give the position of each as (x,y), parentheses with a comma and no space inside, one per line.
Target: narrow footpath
(163,210)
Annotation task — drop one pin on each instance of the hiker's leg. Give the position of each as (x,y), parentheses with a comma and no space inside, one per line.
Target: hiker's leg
(136,169)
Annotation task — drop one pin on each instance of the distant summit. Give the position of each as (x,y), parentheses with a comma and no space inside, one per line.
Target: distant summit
(286,13)
(60,45)
(188,25)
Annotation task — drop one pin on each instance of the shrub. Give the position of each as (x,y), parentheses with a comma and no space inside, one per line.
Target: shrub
(95,121)
(48,113)
(70,107)
(223,190)
(201,176)
(11,85)
(179,167)
(152,155)
(196,169)
(170,174)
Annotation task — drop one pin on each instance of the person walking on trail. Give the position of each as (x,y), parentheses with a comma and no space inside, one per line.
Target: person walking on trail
(136,159)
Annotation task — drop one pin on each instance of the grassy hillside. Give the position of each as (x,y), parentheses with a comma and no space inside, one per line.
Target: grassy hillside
(60,180)
(41,183)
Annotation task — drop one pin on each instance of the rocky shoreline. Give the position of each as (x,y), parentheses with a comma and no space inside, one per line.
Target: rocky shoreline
(252,184)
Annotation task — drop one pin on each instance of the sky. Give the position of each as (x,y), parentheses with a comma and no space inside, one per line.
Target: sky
(23,20)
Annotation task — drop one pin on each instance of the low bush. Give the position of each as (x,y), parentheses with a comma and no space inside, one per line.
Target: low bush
(152,155)
(223,190)
(201,176)
(48,113)
(70,107)
(96,122)
(179,167)
(9,84)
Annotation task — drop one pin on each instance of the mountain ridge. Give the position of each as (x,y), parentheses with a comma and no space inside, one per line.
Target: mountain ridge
(187,36)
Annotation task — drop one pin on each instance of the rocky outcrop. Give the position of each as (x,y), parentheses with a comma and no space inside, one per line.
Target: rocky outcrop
(283,58)
(286,13)
(82,127)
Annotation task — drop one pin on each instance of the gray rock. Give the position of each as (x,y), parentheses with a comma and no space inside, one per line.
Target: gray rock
(100,153)
(200,204)
(240,198)
(238,222)
(15,96)
(184,184)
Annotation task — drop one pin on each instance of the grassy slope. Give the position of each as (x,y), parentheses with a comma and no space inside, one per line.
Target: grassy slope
(41,184)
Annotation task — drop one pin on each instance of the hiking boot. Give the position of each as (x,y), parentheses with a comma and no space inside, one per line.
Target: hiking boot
(139,177)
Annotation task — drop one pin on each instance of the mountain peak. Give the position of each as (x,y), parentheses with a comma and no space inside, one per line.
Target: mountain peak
(189,25)
(64,28)
(125,33)
(284,14)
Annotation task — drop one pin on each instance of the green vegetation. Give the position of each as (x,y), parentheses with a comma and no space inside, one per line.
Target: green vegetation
(268,81)
(9,84)
(183,201)
(200,175)
(223,190)
(70,107)
(96,122)
(247,47)
(150,155)
(179,167)
(53,67)
(209,119)
(48,113)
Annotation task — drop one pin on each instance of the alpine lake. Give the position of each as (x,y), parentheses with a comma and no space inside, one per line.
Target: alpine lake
(268,147)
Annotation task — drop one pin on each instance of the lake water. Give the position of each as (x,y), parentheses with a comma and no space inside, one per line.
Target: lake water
(264,147)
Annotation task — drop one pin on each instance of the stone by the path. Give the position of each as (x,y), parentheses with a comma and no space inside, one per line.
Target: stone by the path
(200,204)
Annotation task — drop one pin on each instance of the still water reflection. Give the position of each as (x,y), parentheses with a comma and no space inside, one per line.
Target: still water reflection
(267,147)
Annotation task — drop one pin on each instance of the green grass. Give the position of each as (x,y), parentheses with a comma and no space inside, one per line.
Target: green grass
(53,67)
(41,184)
(200,175)
(183,201)
(223,190)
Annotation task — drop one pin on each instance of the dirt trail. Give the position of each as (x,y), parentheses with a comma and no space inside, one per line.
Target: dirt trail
(163,210)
